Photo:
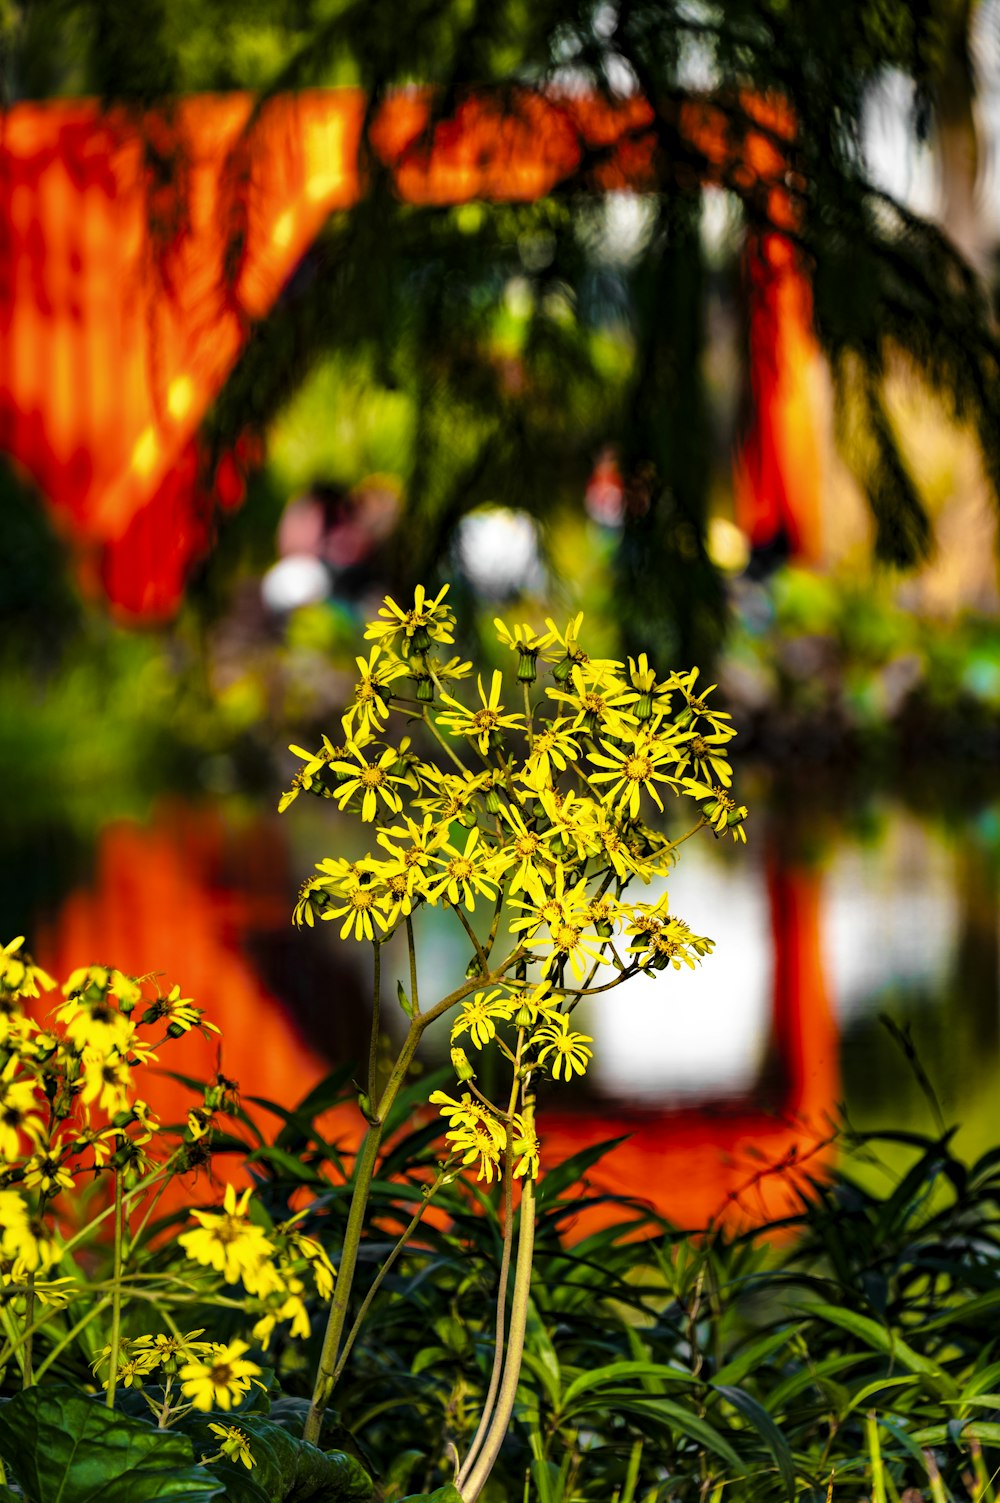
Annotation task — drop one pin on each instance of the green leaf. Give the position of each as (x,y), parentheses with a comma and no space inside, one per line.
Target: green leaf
(768,1431)
(614,1372)
(752,1356)
(447,1494)
(875,1335)
(63,1447)
(403,999)
(556,1180)
(287,1468)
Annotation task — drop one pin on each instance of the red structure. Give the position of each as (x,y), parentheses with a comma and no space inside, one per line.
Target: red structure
(122,311)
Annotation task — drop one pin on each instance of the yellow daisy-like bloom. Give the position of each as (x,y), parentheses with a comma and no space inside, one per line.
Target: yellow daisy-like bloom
(231,1244)
(473,1133)
(400,882)
(421,841)
(719,807)
(478,1016)
(706,758)
(651,699)
(634,770)
(47,1172)
(234,1444)
(697,706)
(572,818)
(567,1050)
(573,654)
(479,725)
(552,751)
(610,841)
(369,710)
(361,911)
(32,1245)
(429,621)
(18,1113)
(527,643)
(310,775)
(556,907)
(524,1146)
(16,1030)
(96,1024)
(107,1081)
(597,704)
(526,850)
(221,1380)
(373,779)
(466,873)
(450,796)
(19,974)
(569,940)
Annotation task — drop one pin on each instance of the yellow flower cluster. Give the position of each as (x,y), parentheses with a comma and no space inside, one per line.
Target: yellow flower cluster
(269,1264)
(68,1103)
(541,801)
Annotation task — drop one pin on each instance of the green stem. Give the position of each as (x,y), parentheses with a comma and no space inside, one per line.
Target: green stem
(116,1292)
(380,1277)
(364,1172)
(508,1239)
(497,1432)
(443,743)
(528,718)
(414,991)
(29,1338)
(484,964)
(376,1010)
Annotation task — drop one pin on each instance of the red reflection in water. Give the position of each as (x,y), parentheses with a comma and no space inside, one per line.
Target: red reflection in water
(122,310)
(182,897)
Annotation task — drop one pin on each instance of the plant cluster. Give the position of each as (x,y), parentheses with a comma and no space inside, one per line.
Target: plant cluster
(530,827)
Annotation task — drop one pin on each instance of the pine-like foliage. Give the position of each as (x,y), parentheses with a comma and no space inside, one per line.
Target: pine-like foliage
(415,292)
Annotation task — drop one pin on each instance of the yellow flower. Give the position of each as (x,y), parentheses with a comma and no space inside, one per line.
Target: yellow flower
(93,1022)
(373,779)
(422,841)
(180,1013)
(429,621)
(527,852)
(18,1112)
(361,905)
(19,974)
(221,1380)
(450,795)
(313,777)
(107,1080)
(231,1244)
(234,1444)
(477,1016)
(369,710)
(473,1133)
(46,1173)
(482,724)
(527,643)
(597,705)
(706,757)
(634,769)
(572,818)
(567,1050)
(525,1146)
(551,753)
(719,808)
(466,873)
(697,706)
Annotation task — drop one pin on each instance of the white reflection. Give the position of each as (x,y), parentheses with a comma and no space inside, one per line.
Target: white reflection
(693,1033)
(299,579)
(498,552)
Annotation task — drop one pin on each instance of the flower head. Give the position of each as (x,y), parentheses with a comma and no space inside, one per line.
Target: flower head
(221,1379)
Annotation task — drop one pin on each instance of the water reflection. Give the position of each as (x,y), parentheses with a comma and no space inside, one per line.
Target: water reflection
(715,1076)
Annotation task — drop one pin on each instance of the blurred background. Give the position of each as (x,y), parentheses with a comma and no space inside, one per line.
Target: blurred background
(678,314)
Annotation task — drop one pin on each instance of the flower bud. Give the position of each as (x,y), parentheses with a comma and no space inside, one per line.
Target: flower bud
(527,669)
(421,640)
(425,689)
(463,1068)
(644,707)
(563,669)
(492,801)
(524,1016)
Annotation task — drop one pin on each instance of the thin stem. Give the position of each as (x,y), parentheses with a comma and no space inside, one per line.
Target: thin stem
(376,1011)
(379,1278)
(497,1432)
(592,991)
(364,1171)
(29,1336)
(508,1238)
(414,991)
(116,1292)
(528,718)
(494,926)
(484,964)
(443,743)
(74,1331)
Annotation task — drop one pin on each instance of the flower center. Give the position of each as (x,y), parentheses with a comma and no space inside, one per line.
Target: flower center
(372,776)
(527,845)
(220,1374)
(486,720)
(594,704)
(722,797)
(461,868)
(699,746)
(638,769)
(362,899)
(566,936)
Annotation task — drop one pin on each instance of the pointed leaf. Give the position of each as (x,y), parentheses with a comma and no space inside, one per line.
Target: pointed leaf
(768,1431)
